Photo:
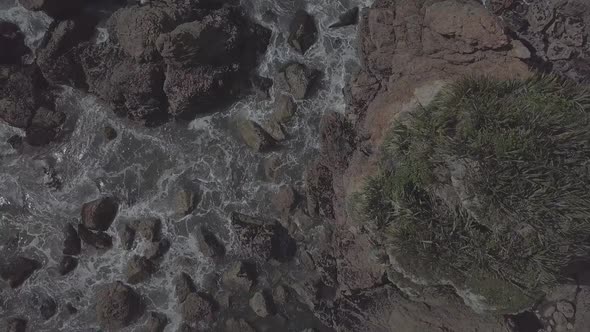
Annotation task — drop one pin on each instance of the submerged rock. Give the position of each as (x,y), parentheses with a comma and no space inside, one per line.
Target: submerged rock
(183,285)
(55,8)
(261,304)
(99,240)
(303,32)
(12,44)
(197,308)
(185,202)
(350,17)
(17,270)
(110,133)
(241,325)
(117,305)
(157,250)
(254,135)
(299,79)
(127,235)
(67,264)
(139,269)
(240,276)
(48,307)
(209,244)
(149,229)
(156,322)
(71,243)
(99,214)
(16,325)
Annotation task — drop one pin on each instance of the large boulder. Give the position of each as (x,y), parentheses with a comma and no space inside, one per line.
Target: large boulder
(117,306)
(57,57)
(303,32)
(99,214)
(12,44)
(17,270)
(58,9)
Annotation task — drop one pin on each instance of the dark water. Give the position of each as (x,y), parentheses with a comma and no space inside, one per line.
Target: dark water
(147,167)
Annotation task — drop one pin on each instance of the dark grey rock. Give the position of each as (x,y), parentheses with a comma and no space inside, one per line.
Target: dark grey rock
(184,285)
(303,32)
(16,325)
(350,17)
(72,244)
(17,270)
(99,214)
(156,322)
(67,264)
(99,240)
(139,269)
(12,44)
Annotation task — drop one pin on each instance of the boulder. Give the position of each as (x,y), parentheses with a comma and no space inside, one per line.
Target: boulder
(303,32)
(350,17)
(183,285)
(58,9)
(209,244)
(240,276)
(157,250)
(127,235)
(274,129)
(263,240)
(197,308)
(110,133)
(16,325)
(156,322)
(16,270)
(12,44)
(139,269)
(299,79)
(20,94)
(67,264)
(71,243)
(57,57)
(99,240)
(254,135)
(261,304)
(99,214)
(117,306)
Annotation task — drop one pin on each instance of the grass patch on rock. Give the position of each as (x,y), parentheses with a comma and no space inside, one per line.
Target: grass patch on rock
(488,186)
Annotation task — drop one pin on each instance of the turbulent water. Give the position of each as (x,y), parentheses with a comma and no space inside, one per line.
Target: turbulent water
(43,189)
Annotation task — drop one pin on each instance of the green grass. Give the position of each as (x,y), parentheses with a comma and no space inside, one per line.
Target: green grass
(491,179)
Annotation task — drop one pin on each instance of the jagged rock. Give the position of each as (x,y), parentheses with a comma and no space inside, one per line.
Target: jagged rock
(16,325)
(299,79)
(117,306)
(136,28)
(20,94)
(127,235)
(261,304)
(232,325)
(100,213)
(139,269)
(48,307)
(156,322)
(183,285)
(72,244)
(254,135)
(263,240)
(197,308)
(17,270)
(285,199)
(350,17)
(58,9)
(149,229)
(157,250)
(67,264)
(110,133)
(57,57)
(99,240)
(240,276)
(12,44)
(209,244)
(303,32)
(185,202)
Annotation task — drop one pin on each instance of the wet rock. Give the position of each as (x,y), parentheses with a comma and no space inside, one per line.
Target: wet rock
(274,129)
(139,269)
(44,126)
(15,141)
(72,244)
(117,306)
(303,32)
(183,285)
(254,135)
(127,235)
(241,325)
(67,264)
(21,94)
(263,240)
(197,308)
(261,304)
(285,199)
(12,44)
(137,28)
(55,8)
(185,202)
(338,140)
(100,213)
(36,136)
(299,79)
(261,86)
(16,325)
(285,108)
(566,308)
(17,270)
(48,307)
(157,250)
(57,57)
(240,276)
(156,322)
(209,244)
(99,240)
(110,133)
(149,229)
(71,309)
(350,17)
